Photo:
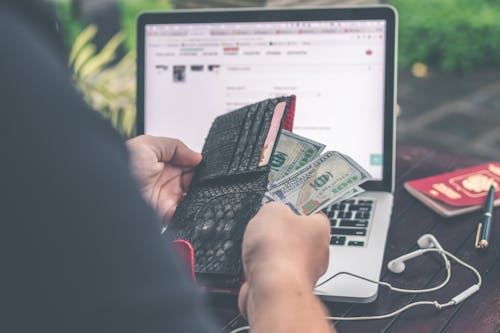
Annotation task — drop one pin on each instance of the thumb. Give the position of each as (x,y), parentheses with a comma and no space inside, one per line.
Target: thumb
(184,156)
(175,152)
(321,225)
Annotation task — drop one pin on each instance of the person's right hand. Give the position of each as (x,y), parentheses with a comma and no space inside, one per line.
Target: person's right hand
(280,248)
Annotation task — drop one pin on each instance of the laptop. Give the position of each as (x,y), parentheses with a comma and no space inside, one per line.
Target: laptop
(340,63)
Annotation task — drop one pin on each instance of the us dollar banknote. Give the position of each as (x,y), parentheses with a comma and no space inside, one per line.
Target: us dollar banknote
(292,153)
(355,191)
(328,178)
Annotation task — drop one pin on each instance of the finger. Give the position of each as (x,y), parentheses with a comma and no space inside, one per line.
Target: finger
(174,151)
(321,220)
(186,178)
(166,209)
(243,300)
(276,207)
(319,226)
(183,156)
(322,234)
(169,214)
(166,204)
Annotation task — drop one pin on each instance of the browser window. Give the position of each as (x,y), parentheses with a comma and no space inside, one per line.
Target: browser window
(194,72)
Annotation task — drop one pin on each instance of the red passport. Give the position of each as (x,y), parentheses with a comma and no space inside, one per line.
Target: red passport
(457,192)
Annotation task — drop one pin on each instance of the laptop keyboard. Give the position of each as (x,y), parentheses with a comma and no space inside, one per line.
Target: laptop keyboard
(350,222)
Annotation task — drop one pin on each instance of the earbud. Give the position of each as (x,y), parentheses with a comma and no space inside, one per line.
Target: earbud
(428,244)
(428,241)
(398,265)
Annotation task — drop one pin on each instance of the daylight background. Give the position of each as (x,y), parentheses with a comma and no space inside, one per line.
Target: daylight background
(449,64)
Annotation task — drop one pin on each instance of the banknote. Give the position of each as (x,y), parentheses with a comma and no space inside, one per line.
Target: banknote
(292,153)
(355,191)
(328,178)
(266,199)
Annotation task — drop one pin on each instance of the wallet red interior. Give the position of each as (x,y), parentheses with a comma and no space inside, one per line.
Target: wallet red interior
(186,253)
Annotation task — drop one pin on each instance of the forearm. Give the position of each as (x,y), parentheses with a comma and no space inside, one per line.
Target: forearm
(283,304)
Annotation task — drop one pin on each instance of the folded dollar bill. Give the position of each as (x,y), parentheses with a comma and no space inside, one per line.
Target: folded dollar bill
(329,178)
(292,153)
(355,191)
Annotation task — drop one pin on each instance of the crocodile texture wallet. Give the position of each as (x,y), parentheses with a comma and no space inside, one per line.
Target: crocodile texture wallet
(227,189)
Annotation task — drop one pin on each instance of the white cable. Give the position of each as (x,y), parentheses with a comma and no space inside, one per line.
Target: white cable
(466,265)
(457,299)
(394,313)
(241,329)
(388,285)
(402,290)
(454,301)
(413,291)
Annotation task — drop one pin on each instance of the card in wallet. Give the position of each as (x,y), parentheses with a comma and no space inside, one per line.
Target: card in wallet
(227,190)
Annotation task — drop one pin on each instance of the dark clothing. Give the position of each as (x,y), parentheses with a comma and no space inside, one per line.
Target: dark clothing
(81,250)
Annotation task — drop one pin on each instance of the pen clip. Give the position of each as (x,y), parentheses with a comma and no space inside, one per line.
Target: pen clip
(479,227)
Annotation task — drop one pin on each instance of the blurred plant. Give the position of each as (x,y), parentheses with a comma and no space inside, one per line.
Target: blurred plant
(70,26)
(106,86)
(69,15)
(451,34)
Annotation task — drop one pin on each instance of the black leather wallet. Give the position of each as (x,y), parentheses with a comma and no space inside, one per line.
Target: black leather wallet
(227,190)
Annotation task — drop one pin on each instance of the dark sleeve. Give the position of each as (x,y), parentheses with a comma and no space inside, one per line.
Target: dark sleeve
(82,251)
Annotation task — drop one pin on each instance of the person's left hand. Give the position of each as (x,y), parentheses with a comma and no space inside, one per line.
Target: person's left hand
(164,169)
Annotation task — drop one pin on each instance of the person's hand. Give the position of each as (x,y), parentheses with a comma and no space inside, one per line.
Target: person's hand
(280,249)
(164,169)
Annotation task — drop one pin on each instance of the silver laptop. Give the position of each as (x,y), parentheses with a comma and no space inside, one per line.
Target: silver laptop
(339,62)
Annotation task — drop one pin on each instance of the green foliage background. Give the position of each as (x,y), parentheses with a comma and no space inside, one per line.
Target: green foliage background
(107,83)
(108,86)
(70,26)
(453,35)
(129,10)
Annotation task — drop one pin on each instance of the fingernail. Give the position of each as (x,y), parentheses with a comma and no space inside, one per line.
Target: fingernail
(322,213)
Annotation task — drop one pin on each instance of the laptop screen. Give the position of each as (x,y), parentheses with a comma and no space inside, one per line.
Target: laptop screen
(196,71)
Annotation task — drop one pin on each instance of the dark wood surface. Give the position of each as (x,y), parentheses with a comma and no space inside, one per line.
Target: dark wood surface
(411,219)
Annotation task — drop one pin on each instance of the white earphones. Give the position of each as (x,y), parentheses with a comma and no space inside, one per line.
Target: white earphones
(427,243)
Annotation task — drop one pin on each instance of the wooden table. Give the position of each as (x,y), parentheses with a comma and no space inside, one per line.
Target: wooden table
(411,219)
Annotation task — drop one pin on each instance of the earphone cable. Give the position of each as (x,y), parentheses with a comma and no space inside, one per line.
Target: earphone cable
(403,290)
(436,304)
(241,329)
(394,313)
